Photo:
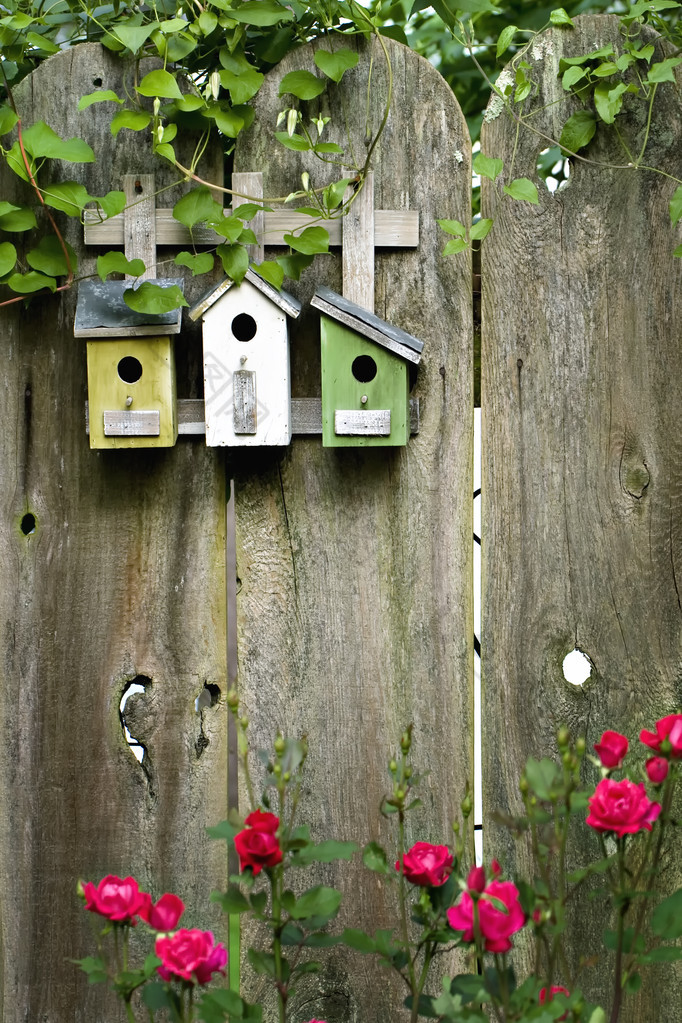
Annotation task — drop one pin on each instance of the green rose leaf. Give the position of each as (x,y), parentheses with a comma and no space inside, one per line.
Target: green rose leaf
(310,242)
(374,858)
(335,65)
(197,206)
(358,940)
(666,921)
(559,17)
(41,140)
(263,13)
(7,119)
(101,96)
(68,196)
(541,775)
(487,166)
(16,218)
(198,263)
(504,39)
(156,997)
(135,120)
(325,852)
(231,901)
(318,901)
(116,263)
(8,258)
(523,189)
(578,131)
(26,284)
(302,84)
(153,299)
(235,260)
(48,257)
(159,83)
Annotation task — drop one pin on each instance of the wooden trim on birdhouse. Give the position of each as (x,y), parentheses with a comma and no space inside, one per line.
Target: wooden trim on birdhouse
(367,325)
(286,302)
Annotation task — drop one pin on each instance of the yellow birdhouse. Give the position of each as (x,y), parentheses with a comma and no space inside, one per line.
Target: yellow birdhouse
(131,368)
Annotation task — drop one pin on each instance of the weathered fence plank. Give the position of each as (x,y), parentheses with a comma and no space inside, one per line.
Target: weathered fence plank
(582,485)
(355,565)
(120,575)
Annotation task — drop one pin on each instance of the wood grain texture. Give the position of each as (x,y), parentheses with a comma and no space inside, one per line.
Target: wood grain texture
(582,478)
(139,222)
(355,564)
(123,576)
(357,253)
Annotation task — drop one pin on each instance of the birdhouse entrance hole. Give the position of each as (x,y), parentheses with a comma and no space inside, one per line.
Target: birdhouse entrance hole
(244,327)
(364,368)
(129,369)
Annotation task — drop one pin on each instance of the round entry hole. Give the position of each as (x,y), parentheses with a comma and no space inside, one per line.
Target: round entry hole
(364,368)
(129,369)
(28,524)
(244,327)
(577,667)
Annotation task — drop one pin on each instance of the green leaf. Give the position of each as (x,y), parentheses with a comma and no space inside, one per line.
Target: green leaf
(153,299)
(7,119)
(296,142)
(155,996)
(453,227)
(334,193)
(207,22)
(196,206)
(327,147)
(187,104)
(633,983)
(294,265)
(480,229)
(262,962)
(95,969)
(134,36)
(678,251)
(68,196)
(504,39)
(159,83)
(311,241)
(608,101)
(559,17)
(8,258)
(18,22)
(487,167)
(263,13)
(26,284)
(335,65)
(523,189)
(242,86)
(325,852)
(663,71)
(227,120)
(676,205)
(116,263)
(48,257)
(374,858)
(647,6)
(605,70)
(604,51)
(230,227)
(318,901)
(135,120)
(358,940)
(598,1016)
(542,774)
(16,218)
(41,140)
(198,263)
(112,203)
(235,260)
(665,954)
(572,76)
(271,272)
(231,901)
(578,131)
(454,246)
(666,921)
(101,96)
(302,84)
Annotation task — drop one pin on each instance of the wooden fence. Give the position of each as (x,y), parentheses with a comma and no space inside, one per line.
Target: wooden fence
(353,566)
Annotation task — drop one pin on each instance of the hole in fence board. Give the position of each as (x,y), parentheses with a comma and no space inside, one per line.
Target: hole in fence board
(28,524)
(553,168)
(244,327)
(97,82)
(208,697)
(137,685)
(364,368)
(577,667)
(129,369)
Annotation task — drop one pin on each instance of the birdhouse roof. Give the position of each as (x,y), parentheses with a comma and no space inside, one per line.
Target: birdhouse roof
(286,302)
(102,312)
(367,324)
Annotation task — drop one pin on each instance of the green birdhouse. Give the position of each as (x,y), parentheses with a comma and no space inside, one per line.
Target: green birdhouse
(365,375)
(131,368)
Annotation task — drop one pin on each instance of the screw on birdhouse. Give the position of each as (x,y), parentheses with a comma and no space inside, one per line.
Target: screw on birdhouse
(129,401)
(364,399)
(243,359)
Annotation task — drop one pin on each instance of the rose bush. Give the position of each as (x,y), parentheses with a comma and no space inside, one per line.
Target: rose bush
(426,864)
(622,807)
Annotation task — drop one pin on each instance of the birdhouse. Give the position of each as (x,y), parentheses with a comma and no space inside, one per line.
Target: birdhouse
(131,368)
(365,375)
(247,385)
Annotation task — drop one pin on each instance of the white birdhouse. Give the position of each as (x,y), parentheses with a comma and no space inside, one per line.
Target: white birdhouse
(247,384)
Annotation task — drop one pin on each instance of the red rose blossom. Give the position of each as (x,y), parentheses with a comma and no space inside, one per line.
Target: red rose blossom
(611,749)
(657,769)
(669,728)
(496,925)
(260,821)
(427,865)
(555,989)
(621,807)
(164,914)
(258,848)
(116,899)
(476,880)
(190,955)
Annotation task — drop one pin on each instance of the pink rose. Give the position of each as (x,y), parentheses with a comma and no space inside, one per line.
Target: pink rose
(260,821)
(496,925)
(164,914)
(116,899)
(192,956)
(476,880)
(427,865)
(657,769)
(555,989)
(611,749)
(258,846)
(621,807)
(669,728)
